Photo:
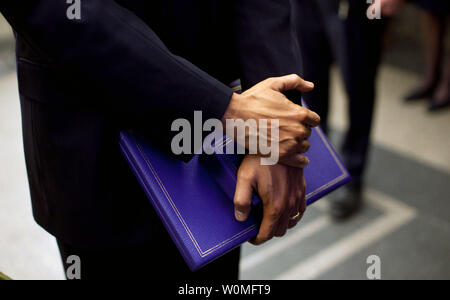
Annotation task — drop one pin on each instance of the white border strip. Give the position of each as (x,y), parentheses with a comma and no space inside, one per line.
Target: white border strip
(282,244)
(396,215)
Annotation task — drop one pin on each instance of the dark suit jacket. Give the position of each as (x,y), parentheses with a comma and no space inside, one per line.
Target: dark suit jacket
(128,64)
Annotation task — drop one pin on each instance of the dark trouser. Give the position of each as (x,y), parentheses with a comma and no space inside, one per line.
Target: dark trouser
(161,262)
(355,43)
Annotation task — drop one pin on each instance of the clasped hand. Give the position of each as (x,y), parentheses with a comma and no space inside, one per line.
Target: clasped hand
(281,187)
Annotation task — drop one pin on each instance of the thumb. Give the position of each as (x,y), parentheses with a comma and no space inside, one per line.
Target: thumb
(291,82)
(243,199)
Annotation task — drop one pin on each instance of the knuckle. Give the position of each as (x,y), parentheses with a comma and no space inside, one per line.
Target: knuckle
(308,133)
(291,146)
(260,239)
(284,152)
(238,202)
(276,213)
(306,146)
(280,207)
(245,175)
(304,160)
(296,76)
(281,232)
(301,114)
(266,237)
(270,80)
(263,238)
(252,96)
(302,133)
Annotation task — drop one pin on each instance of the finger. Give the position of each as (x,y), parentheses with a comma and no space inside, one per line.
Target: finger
(297,146)
(301,204)
(293,223)
(243,199)
(304,146)
(294,216)
(295,161)
(291,82)
(283,227)
(290,200)
(309,118)
(293,220)
(268,226)
(300,209)
(304,134)
(283,224)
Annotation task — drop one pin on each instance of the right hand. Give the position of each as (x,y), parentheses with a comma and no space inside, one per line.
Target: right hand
(265,101)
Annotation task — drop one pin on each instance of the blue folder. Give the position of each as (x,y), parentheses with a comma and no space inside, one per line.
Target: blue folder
(195,199)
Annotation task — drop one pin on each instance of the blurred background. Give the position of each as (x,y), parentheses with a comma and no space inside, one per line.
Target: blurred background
(404,218)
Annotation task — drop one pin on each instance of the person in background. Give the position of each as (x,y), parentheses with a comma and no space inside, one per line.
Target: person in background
(436,82)
(340,30)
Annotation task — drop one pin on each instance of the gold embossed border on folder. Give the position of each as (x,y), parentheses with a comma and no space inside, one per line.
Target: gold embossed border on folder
(204,253)
(201,252)
(341,177)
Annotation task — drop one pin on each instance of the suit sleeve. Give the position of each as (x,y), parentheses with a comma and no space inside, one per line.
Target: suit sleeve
(265,39)
(120,54)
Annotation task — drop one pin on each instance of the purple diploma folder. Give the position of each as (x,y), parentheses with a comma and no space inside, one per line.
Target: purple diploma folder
(195,199)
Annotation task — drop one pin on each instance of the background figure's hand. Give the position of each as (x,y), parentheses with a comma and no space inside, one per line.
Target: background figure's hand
(391,7)
(282,191)
(265,101)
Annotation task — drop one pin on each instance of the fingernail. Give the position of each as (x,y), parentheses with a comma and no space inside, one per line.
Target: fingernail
(306,163)
(309,84)
(240,216)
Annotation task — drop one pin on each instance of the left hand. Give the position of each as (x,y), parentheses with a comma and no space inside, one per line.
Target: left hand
(282,191)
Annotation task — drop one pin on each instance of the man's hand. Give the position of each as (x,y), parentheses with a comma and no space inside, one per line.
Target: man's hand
(265,101)
(282,190)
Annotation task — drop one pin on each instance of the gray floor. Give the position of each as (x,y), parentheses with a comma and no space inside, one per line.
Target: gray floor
(405,220)
(417,247)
